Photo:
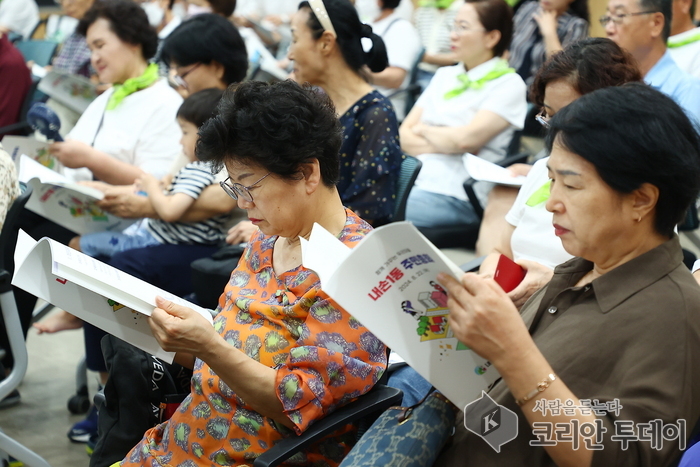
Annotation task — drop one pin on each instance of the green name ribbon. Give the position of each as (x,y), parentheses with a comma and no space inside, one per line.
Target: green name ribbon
(440,4)
(539,196)
(499,70)
(689,40)
(132,85)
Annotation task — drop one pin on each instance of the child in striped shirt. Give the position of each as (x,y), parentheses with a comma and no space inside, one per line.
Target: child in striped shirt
(170,205)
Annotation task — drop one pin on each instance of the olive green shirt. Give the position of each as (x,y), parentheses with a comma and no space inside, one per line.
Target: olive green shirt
(633,334)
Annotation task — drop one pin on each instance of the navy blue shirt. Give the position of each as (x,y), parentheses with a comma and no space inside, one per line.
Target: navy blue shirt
(370,158)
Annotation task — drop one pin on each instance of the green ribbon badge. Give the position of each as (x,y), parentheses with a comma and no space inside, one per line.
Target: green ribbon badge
(499,70)
(132,85)
(539,196)
(686,41)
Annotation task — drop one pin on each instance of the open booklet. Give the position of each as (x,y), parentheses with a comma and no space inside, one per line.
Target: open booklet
(16,146)
(105,297)
(73,91)
(485,171)
(389,283)
(68,204)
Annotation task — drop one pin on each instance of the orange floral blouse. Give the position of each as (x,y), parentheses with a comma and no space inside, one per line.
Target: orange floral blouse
(323,356)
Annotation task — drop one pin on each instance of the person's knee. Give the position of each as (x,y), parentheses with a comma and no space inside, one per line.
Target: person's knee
(75,243)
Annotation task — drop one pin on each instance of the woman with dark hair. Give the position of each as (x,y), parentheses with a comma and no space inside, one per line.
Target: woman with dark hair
(206,51)
(525,236)
(131,127)
(542,28)
(609,347)
(281,354)
(327,51)
(474,106)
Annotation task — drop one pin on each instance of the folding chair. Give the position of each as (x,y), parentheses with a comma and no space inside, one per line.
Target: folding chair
(8,237)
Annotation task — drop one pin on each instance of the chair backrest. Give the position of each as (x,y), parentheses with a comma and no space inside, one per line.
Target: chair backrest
(414,89)
(39,51)
(8,235)
(410,167)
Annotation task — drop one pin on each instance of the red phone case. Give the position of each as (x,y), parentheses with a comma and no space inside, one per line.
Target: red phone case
(508,274)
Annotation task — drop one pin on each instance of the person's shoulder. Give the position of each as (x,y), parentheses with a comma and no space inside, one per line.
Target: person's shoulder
(355,229)
(373,104)
(527,9)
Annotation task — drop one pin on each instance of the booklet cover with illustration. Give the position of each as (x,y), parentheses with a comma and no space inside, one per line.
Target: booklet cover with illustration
(105,297)
(388,282)
(17,146)
(73,91)
(68,204)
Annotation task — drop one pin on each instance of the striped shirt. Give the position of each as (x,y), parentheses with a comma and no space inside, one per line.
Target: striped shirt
(527,50)
(434,28)
(190,180)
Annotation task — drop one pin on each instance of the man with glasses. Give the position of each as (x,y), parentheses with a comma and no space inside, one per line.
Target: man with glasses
(684,43)
(643,27)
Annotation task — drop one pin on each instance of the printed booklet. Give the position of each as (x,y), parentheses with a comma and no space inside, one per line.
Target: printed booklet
(68,204)
(105,297)
(388,282)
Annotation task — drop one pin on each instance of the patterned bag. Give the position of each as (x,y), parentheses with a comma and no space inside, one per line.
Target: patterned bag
(406,436)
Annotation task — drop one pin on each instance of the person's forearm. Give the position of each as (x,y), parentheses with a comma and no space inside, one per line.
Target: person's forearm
(392,77)
(169,208)
(414,145)
(110,170)
(522,370)
(250,380)
(488,266)
(552,45)
(439,59)
(213,201)
(450,140)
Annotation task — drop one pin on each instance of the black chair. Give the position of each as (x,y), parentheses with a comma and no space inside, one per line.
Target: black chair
(8,238)
(410,167)
(373,403)
(413,89)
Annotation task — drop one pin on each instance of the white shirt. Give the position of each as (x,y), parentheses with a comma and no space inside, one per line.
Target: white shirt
(687,56)
(258,9)
(403,47)
(20,16)
(170,27)
(59,27)
(533,238)
(504,96)
(141,131)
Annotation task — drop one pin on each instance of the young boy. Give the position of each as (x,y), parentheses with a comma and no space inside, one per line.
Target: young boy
(185,188)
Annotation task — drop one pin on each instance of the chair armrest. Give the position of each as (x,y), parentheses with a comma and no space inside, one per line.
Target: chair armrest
(520,158)
(378,399)
(473,265)
(15,127)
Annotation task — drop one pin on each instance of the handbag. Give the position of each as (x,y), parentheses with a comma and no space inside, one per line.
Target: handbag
(406,436)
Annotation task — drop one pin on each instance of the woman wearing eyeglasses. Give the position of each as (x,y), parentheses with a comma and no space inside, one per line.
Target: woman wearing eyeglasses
(542,28)
(527,236)
(474,106)
(281,354)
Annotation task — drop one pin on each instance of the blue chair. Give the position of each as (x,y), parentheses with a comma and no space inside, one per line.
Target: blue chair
(410,167)
(39,51)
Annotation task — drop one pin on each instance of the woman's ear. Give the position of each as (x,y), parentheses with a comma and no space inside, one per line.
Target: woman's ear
(492,38)
(312,175)
(326,43)
(219,69)
(644,200)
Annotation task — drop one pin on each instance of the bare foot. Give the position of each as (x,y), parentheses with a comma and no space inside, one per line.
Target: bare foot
(59,321)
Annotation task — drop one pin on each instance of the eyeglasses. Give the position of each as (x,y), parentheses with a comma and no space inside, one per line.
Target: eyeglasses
(542,119)
(179,79)
(459,28)
(234,190)
(619,18)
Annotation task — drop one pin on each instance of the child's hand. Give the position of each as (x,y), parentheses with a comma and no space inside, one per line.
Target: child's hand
(166,181)
(148,183)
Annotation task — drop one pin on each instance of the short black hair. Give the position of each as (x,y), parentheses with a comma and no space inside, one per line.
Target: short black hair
(664,7)
(200,106)
(390,4)
(634,134)
(223,7)
(495,15)
(128,21)
(208,38)
(276,126)
(350,31)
